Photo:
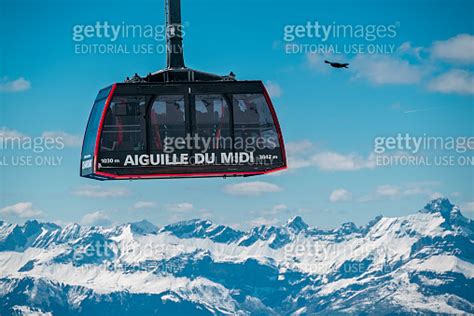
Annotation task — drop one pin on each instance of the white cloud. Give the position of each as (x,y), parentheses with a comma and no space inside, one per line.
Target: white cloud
(21,210)
(69,140)
(17,85)
(205,214)
(387,190)
(97,191)
(394,192)
(294,148)
(340,195)
(297,163)
(453,81)
(6,133)
(251,188)
(274,89)
(402,68)
(459,48)
(276,210)
(381,69)
(467,207)
(98,218)
(303,154)
(279,208)
(332,161)
(436,195)
(423,187)
(259,221)
(408,49)
(297,154)
(143,204)
(180,207)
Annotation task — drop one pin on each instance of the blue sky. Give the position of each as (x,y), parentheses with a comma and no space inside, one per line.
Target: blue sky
(330,117)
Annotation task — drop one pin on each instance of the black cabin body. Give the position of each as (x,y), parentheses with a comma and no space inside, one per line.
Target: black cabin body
(192,129)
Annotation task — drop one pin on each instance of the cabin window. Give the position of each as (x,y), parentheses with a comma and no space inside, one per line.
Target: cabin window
(167,120)
(92,127)
(253,121)
(125,125)
(213,120)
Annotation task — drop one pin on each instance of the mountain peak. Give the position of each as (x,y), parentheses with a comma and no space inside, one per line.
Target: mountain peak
(143,227)
(440,205)
(201,228)
(296,224)
(188,227)
(194,221)
(347,228)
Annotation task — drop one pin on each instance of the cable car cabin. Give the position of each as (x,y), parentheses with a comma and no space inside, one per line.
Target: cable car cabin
(181,122)
(185,129)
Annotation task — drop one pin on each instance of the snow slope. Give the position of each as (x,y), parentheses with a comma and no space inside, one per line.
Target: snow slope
(421,263)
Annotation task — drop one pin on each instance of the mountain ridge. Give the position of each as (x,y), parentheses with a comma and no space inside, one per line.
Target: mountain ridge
(419,263)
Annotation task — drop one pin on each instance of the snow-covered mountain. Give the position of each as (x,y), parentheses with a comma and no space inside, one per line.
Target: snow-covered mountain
(421,263)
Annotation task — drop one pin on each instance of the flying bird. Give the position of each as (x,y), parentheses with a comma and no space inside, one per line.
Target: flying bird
(337,65)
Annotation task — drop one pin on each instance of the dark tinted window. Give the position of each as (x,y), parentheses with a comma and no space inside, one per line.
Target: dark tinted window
(167,120)
(253,119)
(213,119)
(93,124)
(125,125)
